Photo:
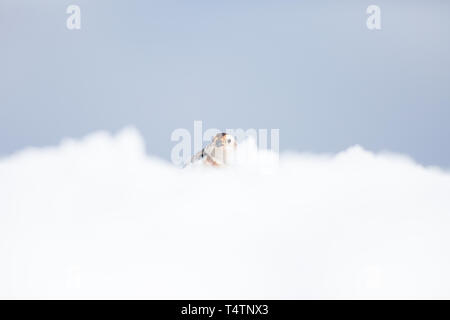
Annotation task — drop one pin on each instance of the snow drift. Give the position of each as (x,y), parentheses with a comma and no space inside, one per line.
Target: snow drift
(98,218)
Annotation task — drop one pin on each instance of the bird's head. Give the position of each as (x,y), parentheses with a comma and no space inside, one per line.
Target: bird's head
(222,148)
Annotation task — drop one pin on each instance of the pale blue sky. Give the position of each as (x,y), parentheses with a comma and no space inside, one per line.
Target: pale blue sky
(310,68)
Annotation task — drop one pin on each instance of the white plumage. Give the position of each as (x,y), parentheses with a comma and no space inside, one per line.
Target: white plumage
(219,153)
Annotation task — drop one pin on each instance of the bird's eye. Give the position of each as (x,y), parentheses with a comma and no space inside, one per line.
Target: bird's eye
(229,140)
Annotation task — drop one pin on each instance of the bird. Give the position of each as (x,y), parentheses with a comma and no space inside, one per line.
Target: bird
(219,153)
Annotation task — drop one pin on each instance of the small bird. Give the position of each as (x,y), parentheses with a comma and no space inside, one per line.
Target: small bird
(219,153)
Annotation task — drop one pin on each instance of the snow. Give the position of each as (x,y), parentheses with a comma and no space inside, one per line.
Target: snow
(99,218)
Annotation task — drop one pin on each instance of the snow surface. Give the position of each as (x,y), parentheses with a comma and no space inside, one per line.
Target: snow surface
(98,218)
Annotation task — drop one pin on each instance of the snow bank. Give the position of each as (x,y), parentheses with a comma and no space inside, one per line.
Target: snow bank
(98,218)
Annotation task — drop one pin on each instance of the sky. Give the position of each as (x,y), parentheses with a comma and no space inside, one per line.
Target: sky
(310,68)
